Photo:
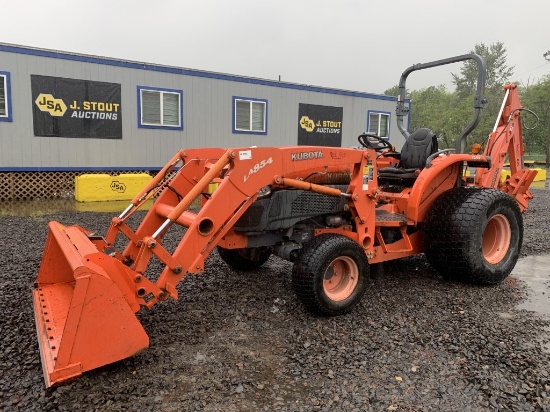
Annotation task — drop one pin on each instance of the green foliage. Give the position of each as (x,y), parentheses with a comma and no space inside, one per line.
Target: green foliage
(498,72)
(536,98)
(441,111)
(393,91)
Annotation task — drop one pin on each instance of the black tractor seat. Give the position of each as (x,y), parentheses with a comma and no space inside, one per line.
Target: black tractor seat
(417,148)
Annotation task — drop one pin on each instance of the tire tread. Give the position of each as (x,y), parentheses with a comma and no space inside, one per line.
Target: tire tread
(312,260)
(452,227)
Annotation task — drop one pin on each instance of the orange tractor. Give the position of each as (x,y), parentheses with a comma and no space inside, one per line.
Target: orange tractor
(331,211)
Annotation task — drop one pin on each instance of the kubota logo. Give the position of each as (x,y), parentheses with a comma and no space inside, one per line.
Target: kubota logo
(317,154)
(48,103)
(307,123)
(118,186)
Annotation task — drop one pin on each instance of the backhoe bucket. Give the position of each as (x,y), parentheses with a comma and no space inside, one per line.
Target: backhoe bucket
(83,306)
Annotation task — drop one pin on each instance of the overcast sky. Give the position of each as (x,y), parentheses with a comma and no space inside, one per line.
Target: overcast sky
(346,44)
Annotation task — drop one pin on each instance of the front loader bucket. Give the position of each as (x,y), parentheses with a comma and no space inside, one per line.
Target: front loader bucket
(83,309)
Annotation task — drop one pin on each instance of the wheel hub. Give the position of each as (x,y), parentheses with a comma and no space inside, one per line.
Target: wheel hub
(341,278)
(496,239)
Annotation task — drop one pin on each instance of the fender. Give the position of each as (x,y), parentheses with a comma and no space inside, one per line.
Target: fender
(441,176)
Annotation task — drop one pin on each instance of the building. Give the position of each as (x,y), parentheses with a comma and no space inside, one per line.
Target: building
(63,114)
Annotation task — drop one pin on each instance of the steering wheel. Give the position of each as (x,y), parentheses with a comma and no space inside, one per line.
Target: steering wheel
(372,141)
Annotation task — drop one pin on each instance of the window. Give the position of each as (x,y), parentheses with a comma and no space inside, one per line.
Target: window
(160,108)
(379,124)
(5,97)
(249,115)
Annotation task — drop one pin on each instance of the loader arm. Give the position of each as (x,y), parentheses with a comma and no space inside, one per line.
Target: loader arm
(506,140)
(87,291)
(245,172)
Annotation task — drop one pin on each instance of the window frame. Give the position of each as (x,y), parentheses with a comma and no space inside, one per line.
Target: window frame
(142,125)
(7,89)
(234,115)
(380,113)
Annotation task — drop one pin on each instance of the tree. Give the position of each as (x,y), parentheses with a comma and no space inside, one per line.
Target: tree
(497,74)
(537,98)
(393,91)
(498,71)
(443,112)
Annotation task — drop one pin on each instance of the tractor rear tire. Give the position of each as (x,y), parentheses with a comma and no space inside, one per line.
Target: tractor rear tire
(330,274)
(245,259)
(474,235)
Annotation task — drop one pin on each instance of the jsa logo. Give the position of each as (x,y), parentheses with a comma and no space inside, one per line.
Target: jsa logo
(257,167)
(307,123)
(48,103)
(118,186)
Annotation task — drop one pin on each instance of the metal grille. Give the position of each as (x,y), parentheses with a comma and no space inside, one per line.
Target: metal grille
(309,202)
(43,185)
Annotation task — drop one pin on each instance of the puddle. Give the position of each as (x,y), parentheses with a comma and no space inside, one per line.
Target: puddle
(533,270)
(48,206)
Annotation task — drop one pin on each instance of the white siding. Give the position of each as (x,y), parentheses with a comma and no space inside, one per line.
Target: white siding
(207,115)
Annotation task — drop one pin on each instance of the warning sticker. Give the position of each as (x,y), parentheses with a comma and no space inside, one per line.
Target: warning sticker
(245,154)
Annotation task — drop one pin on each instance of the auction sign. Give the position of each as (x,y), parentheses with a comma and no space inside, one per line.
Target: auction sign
(320,125)
(76,108)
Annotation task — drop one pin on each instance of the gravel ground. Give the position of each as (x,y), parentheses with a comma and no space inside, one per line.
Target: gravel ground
(242,342)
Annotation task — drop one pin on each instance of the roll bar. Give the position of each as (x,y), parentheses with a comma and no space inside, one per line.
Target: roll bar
(480,102)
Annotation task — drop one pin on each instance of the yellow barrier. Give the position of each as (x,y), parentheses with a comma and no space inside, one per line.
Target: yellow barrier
(540,177)
(212,187)
(102,187)
(504,174)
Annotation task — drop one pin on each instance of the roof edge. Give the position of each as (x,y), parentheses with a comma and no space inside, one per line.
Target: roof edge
(58,54)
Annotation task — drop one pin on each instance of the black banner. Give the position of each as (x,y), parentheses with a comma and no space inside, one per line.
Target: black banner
(320,125)
(76,108)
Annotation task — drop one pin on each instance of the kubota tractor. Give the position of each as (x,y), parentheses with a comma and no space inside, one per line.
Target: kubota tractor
(331,211)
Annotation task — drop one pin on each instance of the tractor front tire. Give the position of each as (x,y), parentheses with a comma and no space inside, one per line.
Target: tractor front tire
(330,274)
(474,235)
(245,259)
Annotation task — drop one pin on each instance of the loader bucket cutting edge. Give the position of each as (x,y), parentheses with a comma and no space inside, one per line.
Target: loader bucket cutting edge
(83,317)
